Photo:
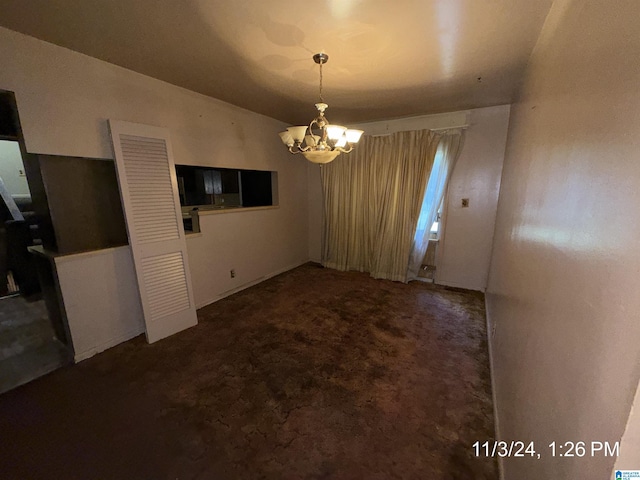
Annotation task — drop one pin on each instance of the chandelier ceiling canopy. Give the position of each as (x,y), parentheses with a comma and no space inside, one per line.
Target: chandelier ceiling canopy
(320,142)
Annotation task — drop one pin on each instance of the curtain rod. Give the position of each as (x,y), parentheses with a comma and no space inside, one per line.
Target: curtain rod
(441,129)
(450,128)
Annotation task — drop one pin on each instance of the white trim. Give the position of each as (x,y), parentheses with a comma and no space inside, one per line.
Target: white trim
(216,211)
(493,385)
(459,285)
(91,253)
(457,127)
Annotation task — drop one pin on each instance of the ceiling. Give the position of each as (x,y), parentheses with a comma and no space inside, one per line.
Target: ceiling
(387,59)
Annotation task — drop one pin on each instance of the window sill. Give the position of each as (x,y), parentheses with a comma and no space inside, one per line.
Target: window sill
(217,211)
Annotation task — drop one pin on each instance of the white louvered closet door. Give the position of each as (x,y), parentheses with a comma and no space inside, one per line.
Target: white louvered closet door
(149,191)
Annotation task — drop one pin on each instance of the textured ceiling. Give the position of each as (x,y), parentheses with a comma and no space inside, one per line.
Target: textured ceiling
(388,58)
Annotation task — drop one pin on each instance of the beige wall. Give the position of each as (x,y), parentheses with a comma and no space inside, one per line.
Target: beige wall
(563,296)
(465,249)
(629,458)
(257,244)
(64,100)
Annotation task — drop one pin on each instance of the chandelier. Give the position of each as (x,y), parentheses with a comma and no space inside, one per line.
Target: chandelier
(324,142)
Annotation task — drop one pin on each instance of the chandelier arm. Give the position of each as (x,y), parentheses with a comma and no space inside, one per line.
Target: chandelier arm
(340,149)
(323,131)
(297,149)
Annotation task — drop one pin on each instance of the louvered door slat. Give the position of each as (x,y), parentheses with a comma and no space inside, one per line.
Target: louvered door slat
(158,277)
(146,166)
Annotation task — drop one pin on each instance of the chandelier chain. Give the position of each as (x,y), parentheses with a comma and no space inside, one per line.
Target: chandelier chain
(321,99)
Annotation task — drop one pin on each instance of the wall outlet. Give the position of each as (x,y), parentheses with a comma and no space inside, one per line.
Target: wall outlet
(465,202)
(232,273)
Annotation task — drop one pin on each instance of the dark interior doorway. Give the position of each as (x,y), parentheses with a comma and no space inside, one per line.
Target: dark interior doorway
(29,345)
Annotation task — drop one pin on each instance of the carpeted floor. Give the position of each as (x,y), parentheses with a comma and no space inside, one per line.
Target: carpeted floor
(312,374)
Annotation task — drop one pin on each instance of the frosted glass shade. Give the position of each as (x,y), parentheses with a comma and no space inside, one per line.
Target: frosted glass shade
(353,135)
(298,133)
(342,141)
(334,132)
(321,156)
(286,138)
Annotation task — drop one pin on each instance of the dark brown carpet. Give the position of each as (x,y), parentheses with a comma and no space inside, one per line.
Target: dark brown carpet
(312,374)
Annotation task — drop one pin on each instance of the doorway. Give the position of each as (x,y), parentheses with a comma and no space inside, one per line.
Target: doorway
(29,347)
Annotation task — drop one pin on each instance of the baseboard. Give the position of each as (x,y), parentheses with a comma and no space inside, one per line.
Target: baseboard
(496,420)
(78,357)
(458,285)
(249,284)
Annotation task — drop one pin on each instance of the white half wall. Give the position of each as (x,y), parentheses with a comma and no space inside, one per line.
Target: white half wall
(464,250)
(101,299)
(64,99)
(246,252)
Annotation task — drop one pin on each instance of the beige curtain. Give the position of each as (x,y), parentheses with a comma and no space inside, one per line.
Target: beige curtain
(372,200)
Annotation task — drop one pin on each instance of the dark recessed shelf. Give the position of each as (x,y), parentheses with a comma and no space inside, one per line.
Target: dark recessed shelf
(12,138)
(211,187)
